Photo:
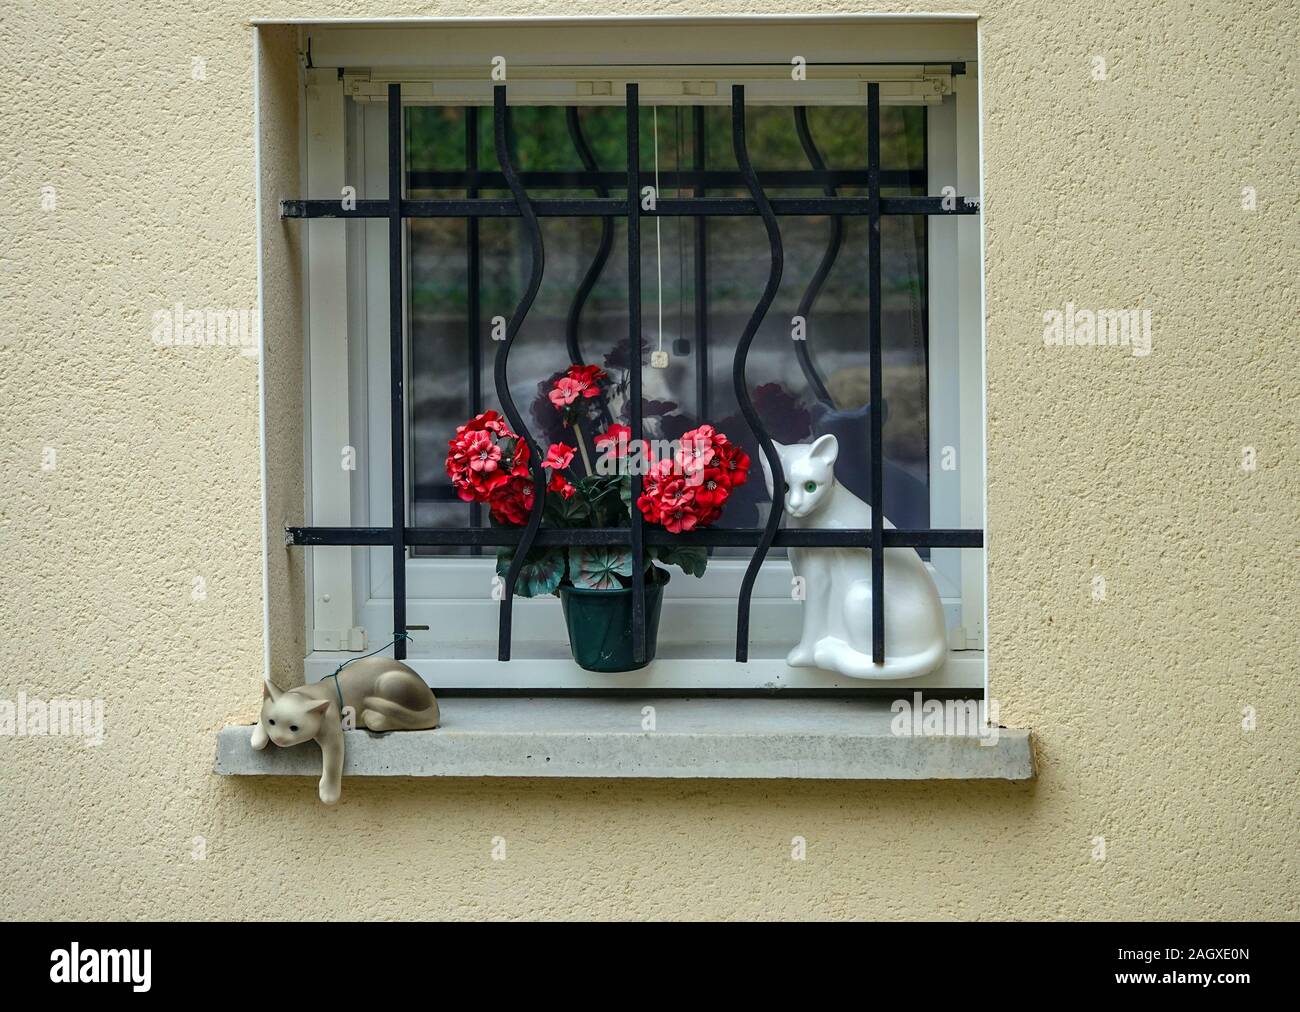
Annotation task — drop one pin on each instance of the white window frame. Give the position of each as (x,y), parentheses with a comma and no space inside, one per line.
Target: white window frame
(350,606)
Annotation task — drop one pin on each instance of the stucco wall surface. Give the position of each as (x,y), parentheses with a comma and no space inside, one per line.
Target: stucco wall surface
(1126,192)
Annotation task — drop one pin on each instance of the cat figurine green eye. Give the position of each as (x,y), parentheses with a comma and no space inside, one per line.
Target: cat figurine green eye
(383,694)
(837,581)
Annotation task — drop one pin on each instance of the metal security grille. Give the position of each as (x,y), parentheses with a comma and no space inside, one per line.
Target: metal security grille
(873,206)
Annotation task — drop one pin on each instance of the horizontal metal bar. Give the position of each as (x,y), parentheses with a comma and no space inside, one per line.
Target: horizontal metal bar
(684,179)
(729,537)
(735,207)
(616,207)
(486,207)
(929,205)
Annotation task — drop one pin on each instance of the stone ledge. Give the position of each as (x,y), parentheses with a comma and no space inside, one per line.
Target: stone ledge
(695,738)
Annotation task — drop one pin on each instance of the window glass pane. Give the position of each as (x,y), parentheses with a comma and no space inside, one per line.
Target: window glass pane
(450,322)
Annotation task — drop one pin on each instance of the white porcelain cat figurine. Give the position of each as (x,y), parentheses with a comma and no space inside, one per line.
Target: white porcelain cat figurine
(837,581)
(384,694)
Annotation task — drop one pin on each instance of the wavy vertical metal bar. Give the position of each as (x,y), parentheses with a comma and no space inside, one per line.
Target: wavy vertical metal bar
(529,218)
(877,381)
(397,367)
(634,360)
(606,239)
(823,269)
(738,369)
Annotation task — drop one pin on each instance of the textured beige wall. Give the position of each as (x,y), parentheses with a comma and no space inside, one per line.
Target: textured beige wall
(1122,193)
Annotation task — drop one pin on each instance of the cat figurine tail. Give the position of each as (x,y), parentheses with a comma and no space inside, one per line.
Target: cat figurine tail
(836,655)
(837,612)
(382,693)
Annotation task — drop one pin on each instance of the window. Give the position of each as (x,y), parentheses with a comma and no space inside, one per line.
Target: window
(701,275)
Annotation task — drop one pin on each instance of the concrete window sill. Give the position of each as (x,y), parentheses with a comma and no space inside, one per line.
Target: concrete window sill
(818,739)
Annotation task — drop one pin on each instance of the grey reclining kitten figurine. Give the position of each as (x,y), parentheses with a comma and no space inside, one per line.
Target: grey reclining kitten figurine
(384,694)
(837,581)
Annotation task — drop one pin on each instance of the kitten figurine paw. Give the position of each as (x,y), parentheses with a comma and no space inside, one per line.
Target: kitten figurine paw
(800,657)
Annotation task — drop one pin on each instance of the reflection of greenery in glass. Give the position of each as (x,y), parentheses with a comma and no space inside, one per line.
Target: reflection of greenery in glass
(436,137)
(436,143)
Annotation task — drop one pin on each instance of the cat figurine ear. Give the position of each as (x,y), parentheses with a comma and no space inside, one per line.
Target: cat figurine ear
(269,691)
(825,450)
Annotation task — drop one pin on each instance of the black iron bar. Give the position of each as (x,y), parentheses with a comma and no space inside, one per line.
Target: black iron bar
(877,382)
(929,206)
(634,361)
(833,243)
(397,367)
(714,537)
(738,370)
(614,207)
(501,124)
(738,207)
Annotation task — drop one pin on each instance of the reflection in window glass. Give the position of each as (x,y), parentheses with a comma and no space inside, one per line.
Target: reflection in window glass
(462,274)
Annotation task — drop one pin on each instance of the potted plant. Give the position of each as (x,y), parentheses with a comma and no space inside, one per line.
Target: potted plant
(685,485)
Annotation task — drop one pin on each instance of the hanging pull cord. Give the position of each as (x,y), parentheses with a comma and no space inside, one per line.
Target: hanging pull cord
(659,249)
(335,674)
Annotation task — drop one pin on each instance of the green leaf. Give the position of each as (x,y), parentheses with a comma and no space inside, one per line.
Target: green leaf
(541,574)
(621,502)
(692,560)
(570,512)
(606,496)
(599,568)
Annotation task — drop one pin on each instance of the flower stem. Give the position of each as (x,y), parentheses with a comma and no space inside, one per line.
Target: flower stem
(582,448)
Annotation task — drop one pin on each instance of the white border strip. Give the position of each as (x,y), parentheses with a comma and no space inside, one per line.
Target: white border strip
(984,353)
(628,20)
(261,352)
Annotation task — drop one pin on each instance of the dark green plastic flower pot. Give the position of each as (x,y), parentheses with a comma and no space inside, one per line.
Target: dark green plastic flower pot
(600,624)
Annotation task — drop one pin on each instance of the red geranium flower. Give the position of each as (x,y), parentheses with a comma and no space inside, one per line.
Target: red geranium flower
(488,463)
(588,377)
(677,508)
(558,457)
(734,465)
(713,490)
(522,456)
(614,439)
(483,454)
(559,483)
(565,392)
(512,502)
(476,455)
(690,490)
(579,381)
(696,449)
